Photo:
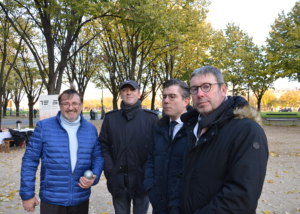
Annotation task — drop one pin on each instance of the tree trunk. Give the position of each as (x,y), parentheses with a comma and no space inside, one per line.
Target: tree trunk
(4,107)
(258,103)
(153,97)
(17,104)
(0,109)
(115,101)
(30,104)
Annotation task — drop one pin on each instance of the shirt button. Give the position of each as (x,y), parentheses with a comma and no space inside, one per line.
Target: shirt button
(205,139)
(212,133)
(120,167)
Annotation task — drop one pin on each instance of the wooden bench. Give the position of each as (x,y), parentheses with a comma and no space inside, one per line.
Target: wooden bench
(282,119)
(6,146)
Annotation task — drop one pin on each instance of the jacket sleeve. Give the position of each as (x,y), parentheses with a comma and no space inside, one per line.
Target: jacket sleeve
(30,162)
(149,172)
(97,159)
(105,145)
(247,163)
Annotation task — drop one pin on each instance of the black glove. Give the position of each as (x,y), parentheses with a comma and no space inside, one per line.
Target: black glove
(174,210)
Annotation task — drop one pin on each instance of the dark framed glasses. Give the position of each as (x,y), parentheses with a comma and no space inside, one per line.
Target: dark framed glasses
(205,87)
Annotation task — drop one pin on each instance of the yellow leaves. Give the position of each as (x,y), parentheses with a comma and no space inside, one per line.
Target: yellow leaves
(8,207)
(274,154)
(109,203)
(286,171)
(266,212)
(17,208)
(298,210)
(270,181)
(104,213)
(293,191)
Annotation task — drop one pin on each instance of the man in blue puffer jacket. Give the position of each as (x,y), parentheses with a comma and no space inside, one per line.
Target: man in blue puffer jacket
(67,145)
(168,144)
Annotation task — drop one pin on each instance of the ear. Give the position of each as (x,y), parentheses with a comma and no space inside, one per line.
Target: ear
(139,95)
(224,90)
(186,101)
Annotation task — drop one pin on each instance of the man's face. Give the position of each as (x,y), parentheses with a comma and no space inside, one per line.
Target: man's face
(175,106)
(129,95)
(70,112)
(205,103)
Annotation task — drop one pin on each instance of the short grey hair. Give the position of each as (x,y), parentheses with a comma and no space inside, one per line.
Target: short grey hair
(185,91)
(209,70)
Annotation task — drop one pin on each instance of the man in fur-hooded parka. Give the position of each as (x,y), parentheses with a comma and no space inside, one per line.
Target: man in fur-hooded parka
(225,160)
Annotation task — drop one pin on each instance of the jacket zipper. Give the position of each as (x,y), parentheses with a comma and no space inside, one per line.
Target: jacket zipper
(72,178)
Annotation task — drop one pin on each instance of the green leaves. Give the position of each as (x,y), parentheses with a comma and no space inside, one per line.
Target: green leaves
(283,44)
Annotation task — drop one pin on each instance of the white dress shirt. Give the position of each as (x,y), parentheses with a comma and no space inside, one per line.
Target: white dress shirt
(177,127)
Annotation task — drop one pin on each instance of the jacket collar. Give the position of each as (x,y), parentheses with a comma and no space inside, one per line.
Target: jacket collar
(222,113)
(82,120)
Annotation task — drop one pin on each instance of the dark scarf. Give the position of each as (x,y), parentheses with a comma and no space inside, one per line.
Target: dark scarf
(131,111)
(223,112)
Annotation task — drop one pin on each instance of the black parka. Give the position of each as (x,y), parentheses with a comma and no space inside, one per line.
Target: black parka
(126,141)
(224,171)
(164,164)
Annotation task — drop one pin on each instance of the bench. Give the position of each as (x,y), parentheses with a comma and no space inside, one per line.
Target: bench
(6,146)
(282,119)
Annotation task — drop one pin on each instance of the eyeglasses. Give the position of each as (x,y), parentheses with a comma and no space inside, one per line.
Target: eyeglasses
(204,87)
(67,105)
(171,96)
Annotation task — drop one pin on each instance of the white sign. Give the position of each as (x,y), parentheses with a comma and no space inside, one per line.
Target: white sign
(48,106)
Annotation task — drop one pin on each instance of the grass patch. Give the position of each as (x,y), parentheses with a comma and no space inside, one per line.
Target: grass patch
(277,114)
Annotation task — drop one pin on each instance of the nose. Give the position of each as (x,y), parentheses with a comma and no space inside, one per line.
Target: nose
(71,107)
(167,100)
(200,93)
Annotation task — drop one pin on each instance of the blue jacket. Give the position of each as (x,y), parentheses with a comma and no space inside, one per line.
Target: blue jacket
(163,164)
(50,143)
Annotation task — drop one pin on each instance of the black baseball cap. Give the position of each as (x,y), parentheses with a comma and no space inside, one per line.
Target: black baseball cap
(130,82)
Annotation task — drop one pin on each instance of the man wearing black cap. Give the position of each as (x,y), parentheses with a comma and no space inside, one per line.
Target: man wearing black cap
(125,138)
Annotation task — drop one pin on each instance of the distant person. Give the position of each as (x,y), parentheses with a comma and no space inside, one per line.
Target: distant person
(34,112)
(225,159)
(67,145)
(125,139)
(168,143)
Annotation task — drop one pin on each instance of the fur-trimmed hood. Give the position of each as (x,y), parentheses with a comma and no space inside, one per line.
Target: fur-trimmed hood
(233,108)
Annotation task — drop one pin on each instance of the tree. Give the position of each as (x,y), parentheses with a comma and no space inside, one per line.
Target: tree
(283,44)
(17,93)
(290,98)
(259,76)
(154,29)
(268,99)
(30,78)
(82,66)
(59,24)
(234,53)
(9,49)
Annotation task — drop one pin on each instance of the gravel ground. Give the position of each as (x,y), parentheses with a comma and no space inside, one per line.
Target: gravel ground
(280,194)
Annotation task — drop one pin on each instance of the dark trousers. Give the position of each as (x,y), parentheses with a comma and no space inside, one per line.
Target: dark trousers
(58,209)
(122,205)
